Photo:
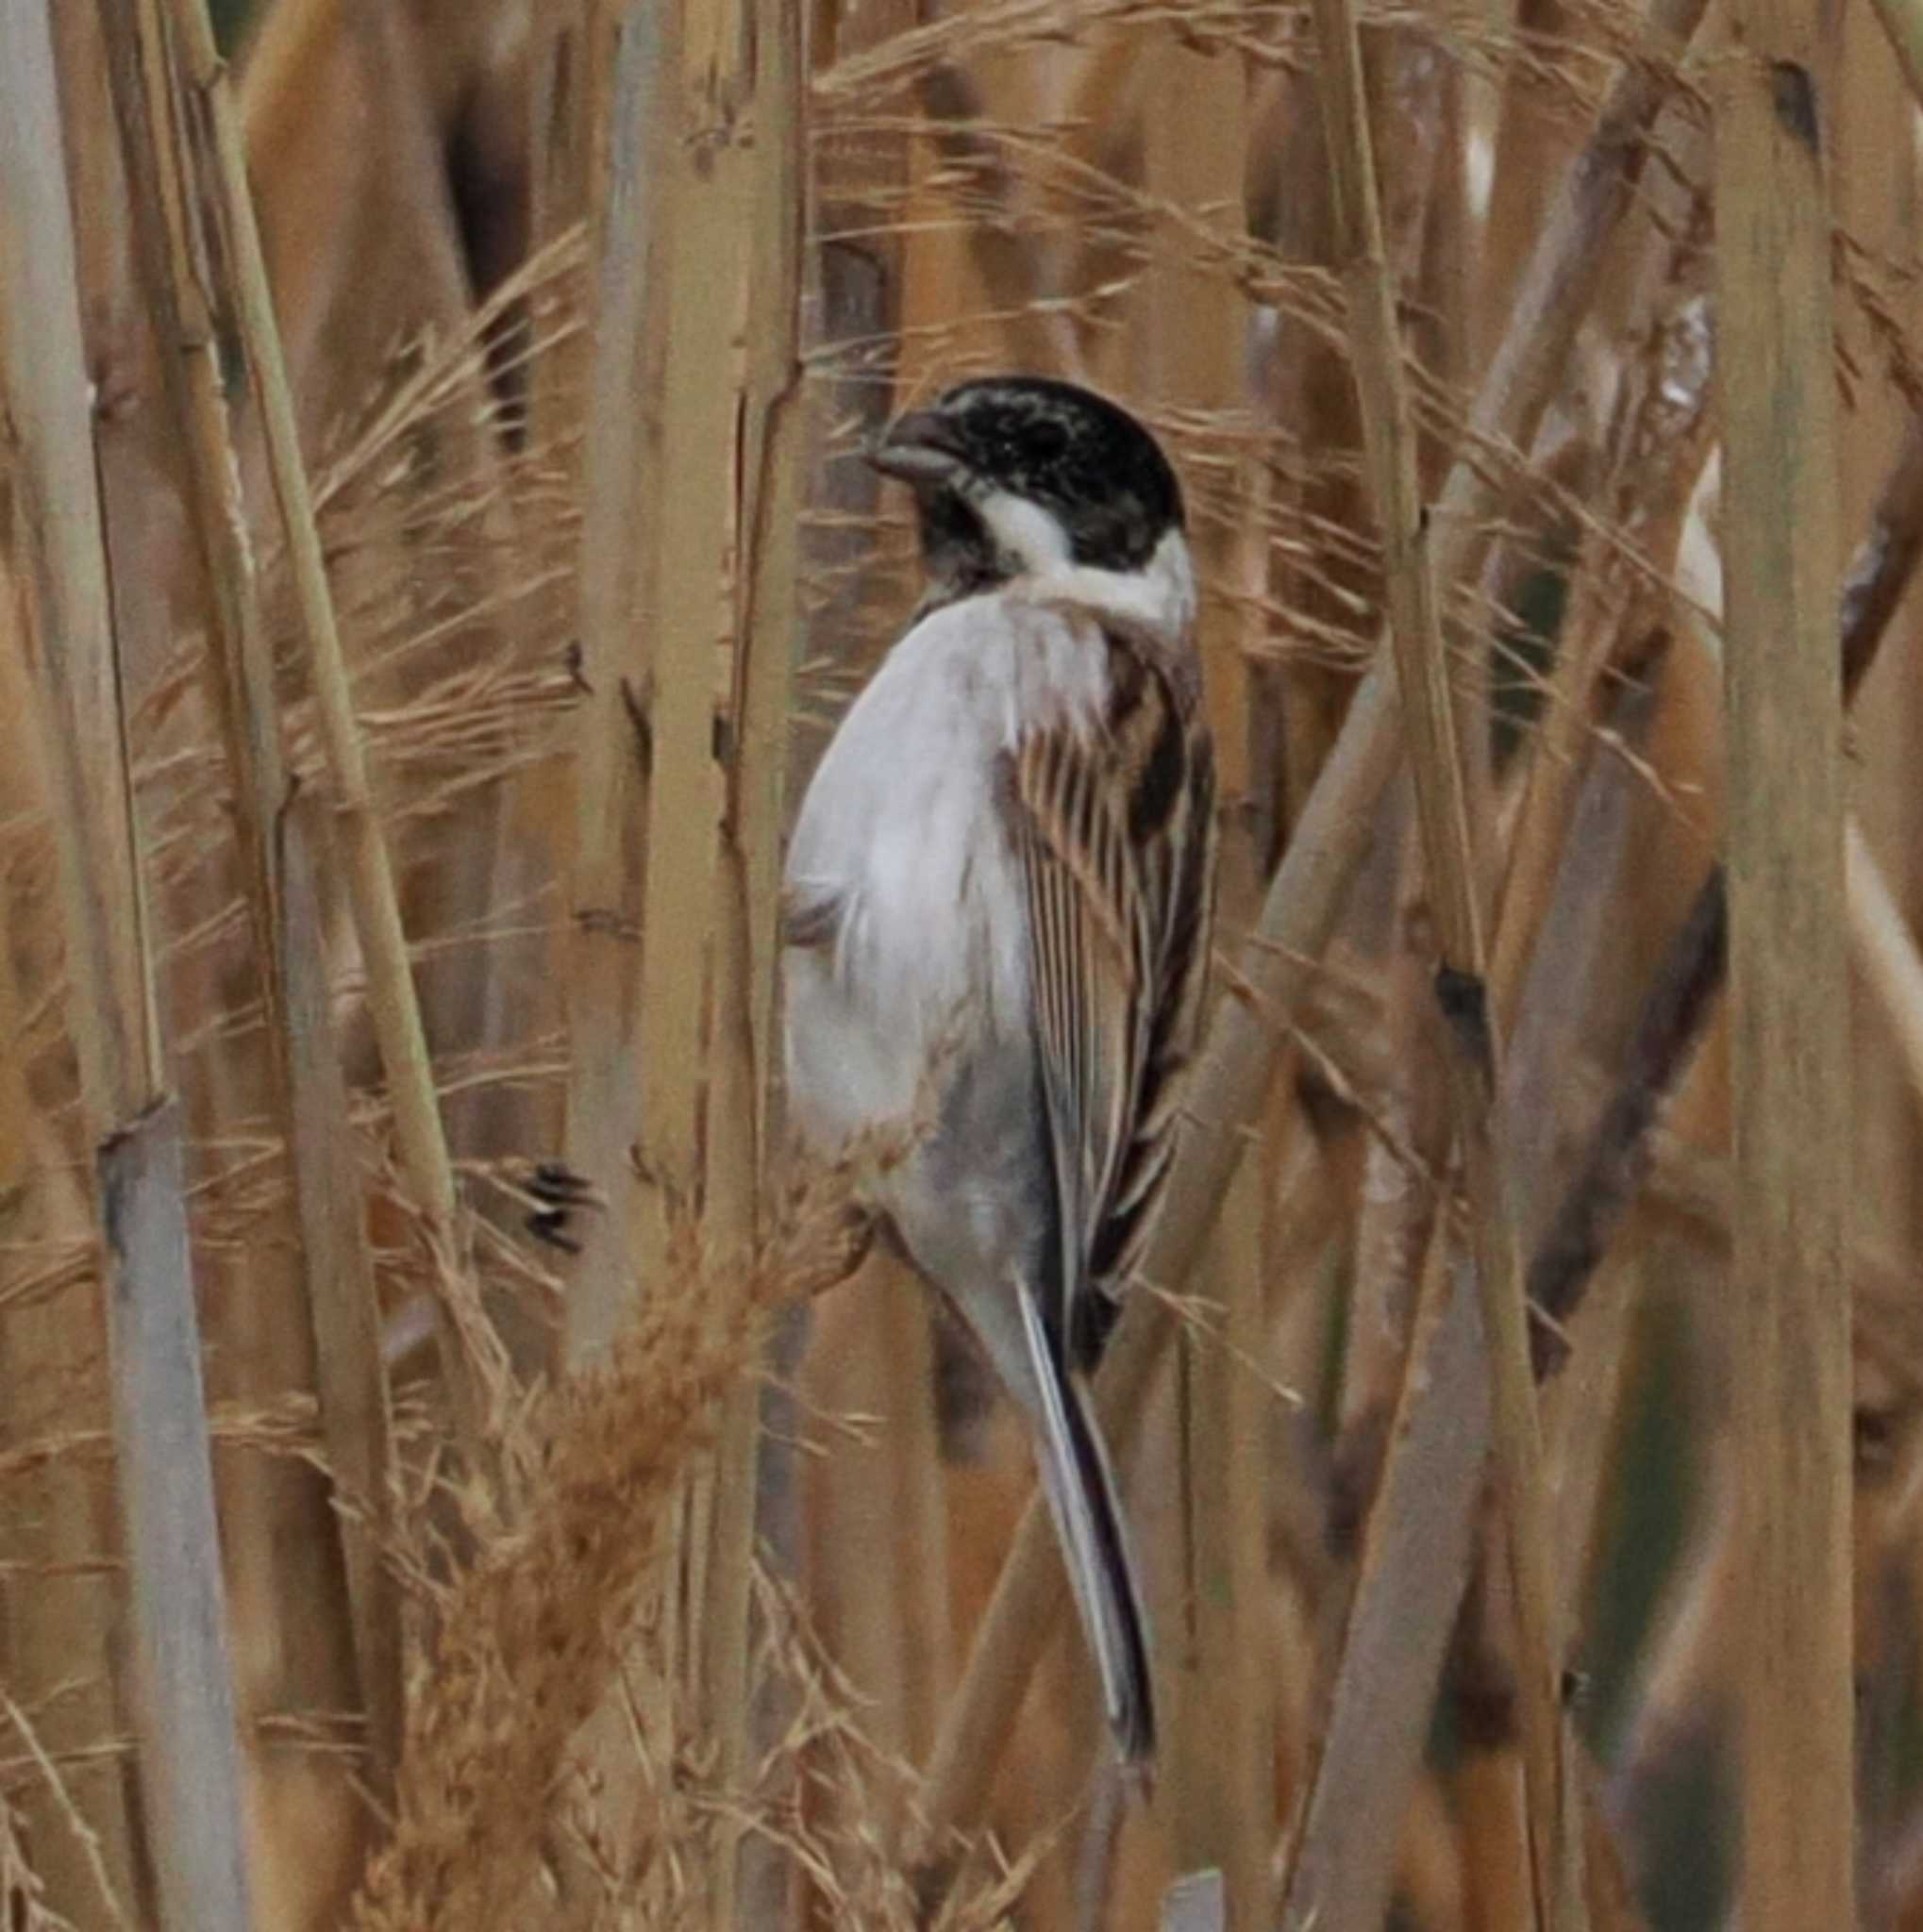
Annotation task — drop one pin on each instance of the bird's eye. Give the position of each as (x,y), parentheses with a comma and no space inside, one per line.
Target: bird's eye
(1044,441)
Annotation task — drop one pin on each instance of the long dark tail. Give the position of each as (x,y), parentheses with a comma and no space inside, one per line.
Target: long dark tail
(1080,1490)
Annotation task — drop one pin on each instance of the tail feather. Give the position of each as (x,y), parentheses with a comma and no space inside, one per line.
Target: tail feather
(1081,1489)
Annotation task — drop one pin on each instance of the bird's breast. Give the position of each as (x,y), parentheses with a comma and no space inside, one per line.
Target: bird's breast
(904,828)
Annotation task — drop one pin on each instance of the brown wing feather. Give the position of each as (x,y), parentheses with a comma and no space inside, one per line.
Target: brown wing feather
(1116,831)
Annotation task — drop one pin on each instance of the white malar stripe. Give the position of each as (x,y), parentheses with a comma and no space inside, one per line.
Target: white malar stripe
(1025,532)
(1160,597)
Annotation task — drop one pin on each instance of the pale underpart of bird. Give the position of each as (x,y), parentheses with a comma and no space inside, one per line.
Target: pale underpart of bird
(996,917)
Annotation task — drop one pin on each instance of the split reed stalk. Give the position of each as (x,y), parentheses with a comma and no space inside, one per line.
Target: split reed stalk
(615,770)
(1789,999)
(615,761)
(183,1703)
(61,1615)
(706,616)
(690,935)
(771,443)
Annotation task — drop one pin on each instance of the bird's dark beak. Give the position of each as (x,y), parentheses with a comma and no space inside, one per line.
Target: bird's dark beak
(920,448)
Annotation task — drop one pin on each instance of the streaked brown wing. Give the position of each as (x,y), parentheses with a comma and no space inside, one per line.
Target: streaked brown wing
(1115,832)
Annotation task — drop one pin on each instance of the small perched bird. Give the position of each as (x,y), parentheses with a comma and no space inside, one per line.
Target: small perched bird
(996,917)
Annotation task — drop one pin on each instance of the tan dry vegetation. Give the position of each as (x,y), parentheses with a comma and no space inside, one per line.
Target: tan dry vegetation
(681,1580)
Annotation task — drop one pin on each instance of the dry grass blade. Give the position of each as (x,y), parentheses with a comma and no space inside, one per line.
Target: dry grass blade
(19,1887)
(184,1688)
(1789,1007)
(1461,990)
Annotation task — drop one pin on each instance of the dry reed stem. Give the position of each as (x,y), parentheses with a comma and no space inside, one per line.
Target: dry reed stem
(183,1685)
(336,1275)
(1469,1043)
(471,1359)
(533,1631)
(614,758)
(771,442)
(1305,896)
(1400,1617)
(62,1619)
(1789,1004)
(615,752)
(686,536)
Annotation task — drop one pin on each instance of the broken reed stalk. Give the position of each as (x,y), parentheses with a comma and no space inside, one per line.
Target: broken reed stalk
(189,1753)
(1304,899)
(473,1361)
(277,865)
(1469,1047)
(1791,1365)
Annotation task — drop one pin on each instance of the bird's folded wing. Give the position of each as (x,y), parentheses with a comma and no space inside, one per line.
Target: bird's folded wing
(1114,825)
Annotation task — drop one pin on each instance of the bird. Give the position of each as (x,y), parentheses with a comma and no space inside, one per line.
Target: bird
(995,918)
